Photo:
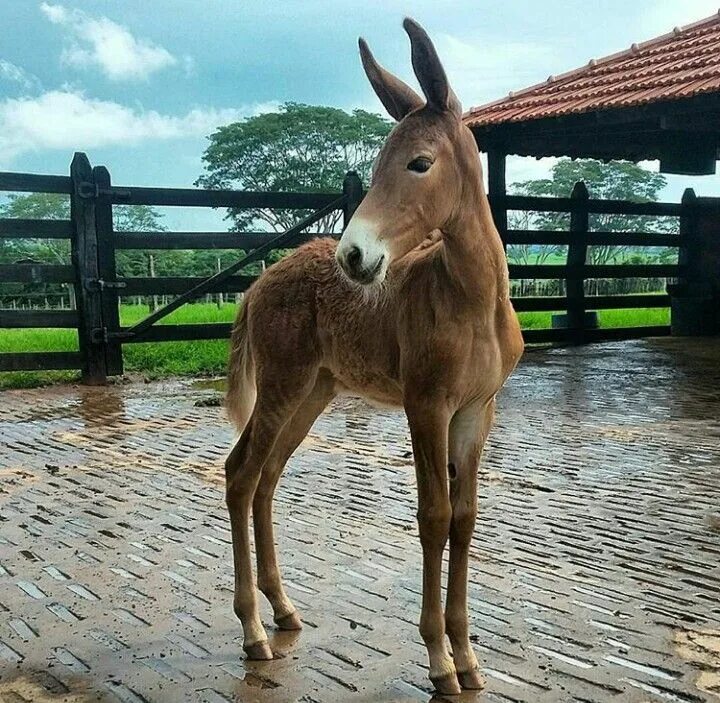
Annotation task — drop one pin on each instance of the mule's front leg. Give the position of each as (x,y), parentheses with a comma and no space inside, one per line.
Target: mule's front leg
(429,430)
(468,431)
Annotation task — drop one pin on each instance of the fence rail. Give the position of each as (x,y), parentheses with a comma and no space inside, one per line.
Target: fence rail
(535,203)
(34,183)
(562,237)
(195,197)
(35,229)
(98,287)
(198,240)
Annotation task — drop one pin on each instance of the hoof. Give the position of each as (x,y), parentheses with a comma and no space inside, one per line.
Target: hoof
(259,651)
(446,685)
(291,621)
(472,679)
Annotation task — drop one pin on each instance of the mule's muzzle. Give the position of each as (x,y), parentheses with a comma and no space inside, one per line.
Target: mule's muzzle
(357,267)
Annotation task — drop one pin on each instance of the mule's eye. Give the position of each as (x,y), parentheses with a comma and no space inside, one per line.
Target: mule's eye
(420,164)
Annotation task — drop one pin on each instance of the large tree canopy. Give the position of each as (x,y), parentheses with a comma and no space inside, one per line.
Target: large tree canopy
(615,180)
(304,148)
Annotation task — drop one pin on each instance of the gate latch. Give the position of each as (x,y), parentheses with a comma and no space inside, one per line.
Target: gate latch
(90,191)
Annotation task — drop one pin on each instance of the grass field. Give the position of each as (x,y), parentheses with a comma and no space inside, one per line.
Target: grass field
(210,357)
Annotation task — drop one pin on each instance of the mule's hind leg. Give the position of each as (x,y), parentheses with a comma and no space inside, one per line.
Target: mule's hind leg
(275,405)
(269,578)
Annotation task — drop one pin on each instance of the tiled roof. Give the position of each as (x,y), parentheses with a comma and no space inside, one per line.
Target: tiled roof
(681,64)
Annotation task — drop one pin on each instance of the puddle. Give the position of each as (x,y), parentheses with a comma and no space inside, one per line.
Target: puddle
(24,689)
(210,384)
(256,681)
(702,649)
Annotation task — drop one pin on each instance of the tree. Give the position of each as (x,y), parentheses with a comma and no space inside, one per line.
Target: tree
(303,148)
(615,180)
(52,206)
(138,218)
(36,206)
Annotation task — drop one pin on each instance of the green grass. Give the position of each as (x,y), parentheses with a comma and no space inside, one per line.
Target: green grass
(188,314)
(156,360)
(632,317)
(152,360)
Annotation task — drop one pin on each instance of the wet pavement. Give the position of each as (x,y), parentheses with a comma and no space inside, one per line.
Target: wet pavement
(594,573)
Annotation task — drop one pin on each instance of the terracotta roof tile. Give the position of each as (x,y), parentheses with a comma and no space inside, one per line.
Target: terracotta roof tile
(680,64)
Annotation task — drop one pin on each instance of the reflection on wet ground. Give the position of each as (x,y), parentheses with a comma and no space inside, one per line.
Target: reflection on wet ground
(594,574)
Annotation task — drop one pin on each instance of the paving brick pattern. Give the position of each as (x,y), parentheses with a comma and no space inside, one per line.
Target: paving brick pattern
(594,569)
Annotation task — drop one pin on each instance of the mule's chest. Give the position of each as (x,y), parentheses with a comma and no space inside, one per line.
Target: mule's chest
(362,355)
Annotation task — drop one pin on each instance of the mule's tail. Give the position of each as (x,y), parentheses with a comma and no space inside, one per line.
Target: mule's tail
(241,390)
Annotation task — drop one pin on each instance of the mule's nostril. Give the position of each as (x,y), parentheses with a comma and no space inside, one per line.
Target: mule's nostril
(353,257)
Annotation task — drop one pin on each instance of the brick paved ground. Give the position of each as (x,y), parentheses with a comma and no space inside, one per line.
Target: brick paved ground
(594,570)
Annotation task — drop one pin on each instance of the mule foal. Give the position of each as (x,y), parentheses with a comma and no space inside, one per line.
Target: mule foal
(410,309)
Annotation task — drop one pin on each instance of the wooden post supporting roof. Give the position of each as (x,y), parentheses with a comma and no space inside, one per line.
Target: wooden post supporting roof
(497,189)
(696,297)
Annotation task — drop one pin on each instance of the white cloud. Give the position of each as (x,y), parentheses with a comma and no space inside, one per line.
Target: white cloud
(14,74)
(100,42)
(663,15)
(483,70)
(63,119)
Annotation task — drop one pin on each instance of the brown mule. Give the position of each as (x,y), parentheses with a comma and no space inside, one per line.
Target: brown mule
(410,309)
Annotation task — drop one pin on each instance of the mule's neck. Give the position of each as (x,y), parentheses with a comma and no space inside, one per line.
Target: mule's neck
(473,252)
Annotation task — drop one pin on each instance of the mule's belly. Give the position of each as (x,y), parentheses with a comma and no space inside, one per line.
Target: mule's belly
(378,391)
(363,371)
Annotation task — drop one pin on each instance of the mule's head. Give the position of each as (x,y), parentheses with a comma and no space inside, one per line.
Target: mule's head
(422,171)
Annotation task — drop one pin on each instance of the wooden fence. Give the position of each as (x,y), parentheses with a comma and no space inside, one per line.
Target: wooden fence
(98,288)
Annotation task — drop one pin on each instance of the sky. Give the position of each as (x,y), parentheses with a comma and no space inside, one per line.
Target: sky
(139,84)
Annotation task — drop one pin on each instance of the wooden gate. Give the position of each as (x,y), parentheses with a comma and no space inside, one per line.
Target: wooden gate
(93,271)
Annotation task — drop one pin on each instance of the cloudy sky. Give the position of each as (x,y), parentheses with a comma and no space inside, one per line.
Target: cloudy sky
(138,84)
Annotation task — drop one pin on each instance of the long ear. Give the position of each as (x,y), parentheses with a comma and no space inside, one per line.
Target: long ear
(429,70)
(397,97)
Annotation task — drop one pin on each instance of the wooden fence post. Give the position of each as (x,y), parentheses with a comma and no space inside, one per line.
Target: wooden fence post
(107,270)
(353,192)
(695,299)
(576,260)
(85,261)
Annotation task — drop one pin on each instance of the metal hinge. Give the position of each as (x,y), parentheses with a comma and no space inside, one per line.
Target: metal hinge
(99,284)
(91,191)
